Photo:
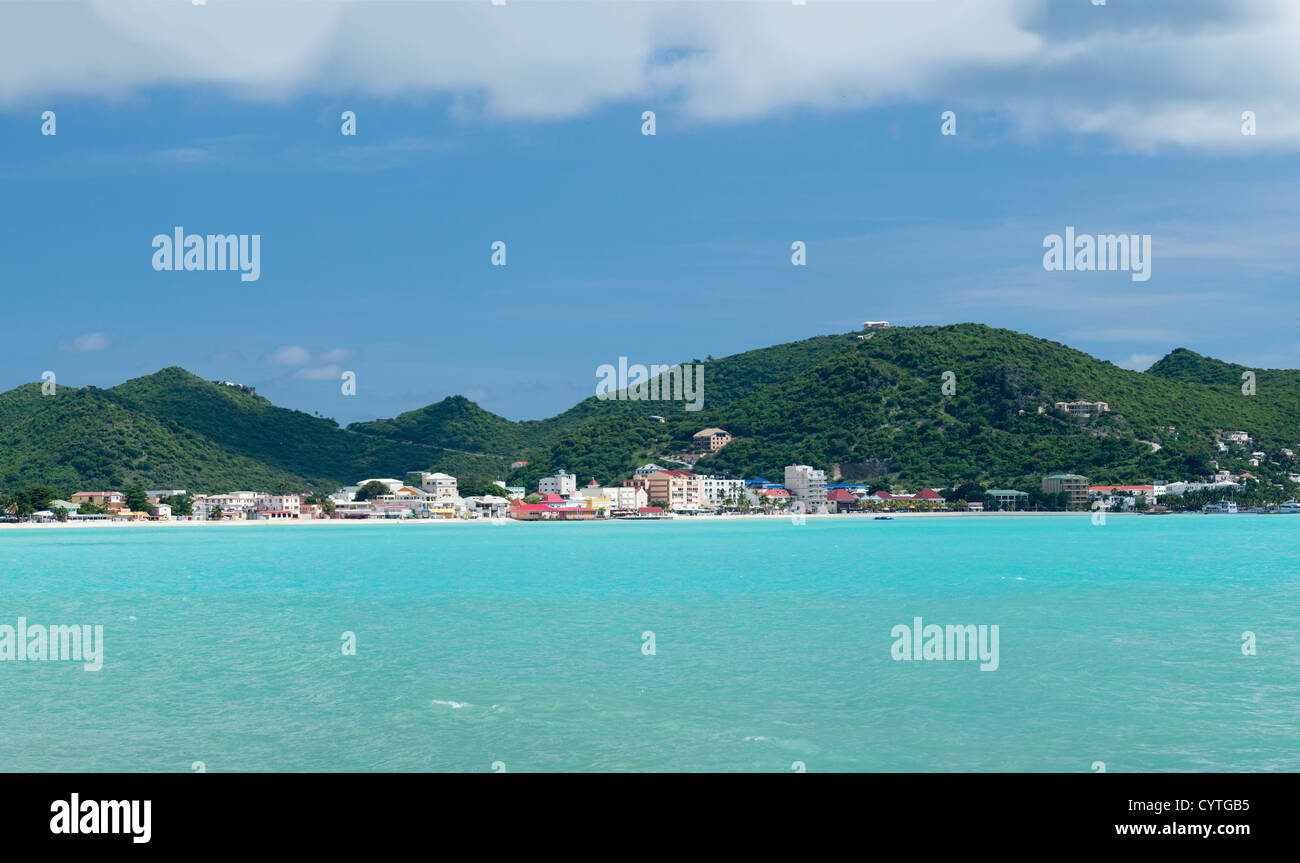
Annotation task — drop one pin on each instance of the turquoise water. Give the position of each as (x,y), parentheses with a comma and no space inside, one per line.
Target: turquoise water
(522,644)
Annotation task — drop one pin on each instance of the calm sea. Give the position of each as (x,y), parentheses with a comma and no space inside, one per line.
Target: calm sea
(528,646)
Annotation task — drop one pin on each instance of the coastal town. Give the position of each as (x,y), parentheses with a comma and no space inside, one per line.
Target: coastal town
(652,492)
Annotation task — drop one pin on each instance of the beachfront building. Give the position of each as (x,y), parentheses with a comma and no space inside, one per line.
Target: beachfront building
(769,496)
(1007,498)
(111,501)
(841,500)
(926,498)
(722,490)
(439,485)
(487,506)
(628,498)
(807,485)
(562,483)
(290,503)
(160,511)
(679,489)
(1068,483)
(233,504)
(1108,494)
(711,439)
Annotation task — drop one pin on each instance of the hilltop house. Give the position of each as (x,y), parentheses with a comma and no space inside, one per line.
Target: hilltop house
(1082,409)
(712,439)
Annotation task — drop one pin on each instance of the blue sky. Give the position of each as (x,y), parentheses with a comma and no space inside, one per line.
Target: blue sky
(376,251)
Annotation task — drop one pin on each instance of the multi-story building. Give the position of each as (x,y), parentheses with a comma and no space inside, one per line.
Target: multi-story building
(712,439)
(112,502)
(647,469)
(807,485)
(234,504)
(1007,498)
(1068,483)
(290,503)
(722,489)
(628,498)
(562,483)
(440,485)
(678,489)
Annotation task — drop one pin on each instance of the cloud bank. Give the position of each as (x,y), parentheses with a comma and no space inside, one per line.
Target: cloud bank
(1144,76)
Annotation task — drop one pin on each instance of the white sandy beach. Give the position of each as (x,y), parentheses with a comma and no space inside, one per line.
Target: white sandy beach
(681,519)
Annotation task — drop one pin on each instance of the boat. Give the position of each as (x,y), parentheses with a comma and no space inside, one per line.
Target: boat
(884,518)
(1221,506)
(1291,506)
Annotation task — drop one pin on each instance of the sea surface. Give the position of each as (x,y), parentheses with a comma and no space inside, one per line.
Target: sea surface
(524,647)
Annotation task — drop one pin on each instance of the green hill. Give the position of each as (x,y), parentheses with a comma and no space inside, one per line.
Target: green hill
(872,409)
(172,429)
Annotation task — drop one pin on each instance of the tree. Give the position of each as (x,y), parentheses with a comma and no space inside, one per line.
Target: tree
(322,500)
(60,514)
(135,498)
(216,513)
(181,504)
(371,490)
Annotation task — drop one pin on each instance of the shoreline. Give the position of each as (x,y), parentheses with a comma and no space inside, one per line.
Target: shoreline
(709,519)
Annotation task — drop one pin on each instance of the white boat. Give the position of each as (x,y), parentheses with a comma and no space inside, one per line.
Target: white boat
(1290,506)
(1221,506)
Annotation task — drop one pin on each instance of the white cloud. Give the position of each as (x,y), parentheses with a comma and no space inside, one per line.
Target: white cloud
(289,355)
(335,355)
(314,367)
(318,373)
(1138,362)
(1144,77)
(88,343)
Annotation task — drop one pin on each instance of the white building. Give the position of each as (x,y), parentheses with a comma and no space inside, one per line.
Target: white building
(290,503)
(721,489)
(440,485)
(647,469)
(628,498)
(488,506)
(806,484)
(236,504)
(563,484)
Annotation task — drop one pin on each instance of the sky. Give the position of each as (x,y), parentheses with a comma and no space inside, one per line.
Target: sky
(523,123)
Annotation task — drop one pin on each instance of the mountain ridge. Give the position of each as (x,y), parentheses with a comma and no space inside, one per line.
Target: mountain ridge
(934,405)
